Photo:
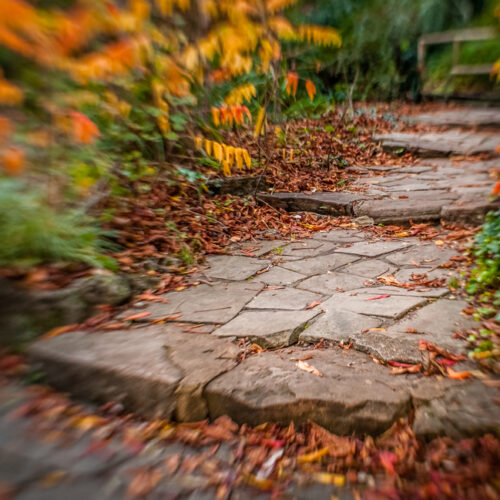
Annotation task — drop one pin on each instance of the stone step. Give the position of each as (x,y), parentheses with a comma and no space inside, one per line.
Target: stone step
(434,144)
(162,372)
(467,117)
(438,189)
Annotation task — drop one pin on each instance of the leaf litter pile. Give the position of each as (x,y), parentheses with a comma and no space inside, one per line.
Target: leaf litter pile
(178,218)
(222,457)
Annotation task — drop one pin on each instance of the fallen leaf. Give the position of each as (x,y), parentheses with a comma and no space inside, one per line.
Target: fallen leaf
(312,305)
(144,482)
(411,330)
(387,459)
(60,330)
(458,375)
(140,315)
(379,297)
(328,478)
(302,365)
(315,456)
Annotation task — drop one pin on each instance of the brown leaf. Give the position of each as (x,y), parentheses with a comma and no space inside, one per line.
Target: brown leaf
(137,316)
(144,482)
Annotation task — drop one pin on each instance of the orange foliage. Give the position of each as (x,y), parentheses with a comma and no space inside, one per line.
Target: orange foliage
(83,128)
(13,161)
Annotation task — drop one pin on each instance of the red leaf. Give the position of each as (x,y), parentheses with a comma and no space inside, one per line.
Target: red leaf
(379,297)
(387,460)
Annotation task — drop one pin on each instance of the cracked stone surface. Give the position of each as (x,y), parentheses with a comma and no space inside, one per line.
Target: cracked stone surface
(331,282)
(268,328)
(269,387)
(192,372)
(215,303)
(373,249)
(319,265)
(260,291)
(368,268)
(233,267)
(285,298)
(277,276)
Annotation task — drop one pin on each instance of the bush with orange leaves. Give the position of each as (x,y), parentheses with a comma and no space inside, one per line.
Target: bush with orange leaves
(107,92)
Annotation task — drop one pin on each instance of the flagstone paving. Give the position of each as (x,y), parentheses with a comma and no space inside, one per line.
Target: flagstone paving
(192,366)
(345,301)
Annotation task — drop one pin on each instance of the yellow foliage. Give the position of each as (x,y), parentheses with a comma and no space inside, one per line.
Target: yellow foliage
(260,121)
(320,35)
(240,94)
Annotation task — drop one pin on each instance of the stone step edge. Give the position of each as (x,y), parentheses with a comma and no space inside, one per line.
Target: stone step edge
(152,397)
(474,212)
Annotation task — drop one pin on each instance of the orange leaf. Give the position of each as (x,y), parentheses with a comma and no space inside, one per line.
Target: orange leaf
(379,297)
(311,89)
(292,80)
(137,316)
(13,161)
(312,305)
(458,375)
(84,129)
(496,189)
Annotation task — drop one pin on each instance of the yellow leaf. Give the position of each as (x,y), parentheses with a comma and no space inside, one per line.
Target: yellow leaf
(260,120)
(198,142)
(226,168)
(208,147)
(315,456)
(230,155)
(327,478)
(217,151)
(246,157)
(239,158)
(216,116)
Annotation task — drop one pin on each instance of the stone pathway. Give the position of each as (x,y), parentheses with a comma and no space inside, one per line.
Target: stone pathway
(288,297)
(326,311)
(433,190)
(190,357)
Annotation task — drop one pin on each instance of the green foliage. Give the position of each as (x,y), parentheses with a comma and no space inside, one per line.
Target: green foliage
(487,253)
(379,40)
(33,232)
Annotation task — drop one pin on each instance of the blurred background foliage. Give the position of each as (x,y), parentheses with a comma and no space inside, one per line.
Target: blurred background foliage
(98,99)
(379,45)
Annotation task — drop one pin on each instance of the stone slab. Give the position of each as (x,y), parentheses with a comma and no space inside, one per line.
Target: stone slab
(127,366)
(268,328)
(426,254)
(215,303)
(286,298)
(440,144)
(233,267)
(338,324)
(330,203)
(400,210)
(270,387)
(200,359)
(474,117)
(463,410)
(368,268)
(394,306)
(339,236)
(438,321)
(373,248)
(306,249)
(278,276)
(257,248)
(331,282)
(319,265)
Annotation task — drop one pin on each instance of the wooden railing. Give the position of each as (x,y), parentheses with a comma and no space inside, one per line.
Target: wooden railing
(457,37)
